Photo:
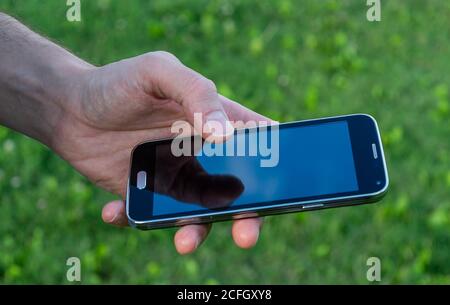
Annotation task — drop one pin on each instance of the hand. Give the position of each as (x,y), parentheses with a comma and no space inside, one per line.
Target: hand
(110,109)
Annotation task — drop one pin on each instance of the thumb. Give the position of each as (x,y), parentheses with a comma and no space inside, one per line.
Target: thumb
(114,213)
(197,94)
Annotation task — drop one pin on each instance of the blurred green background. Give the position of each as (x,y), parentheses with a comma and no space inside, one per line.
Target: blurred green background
(289,60)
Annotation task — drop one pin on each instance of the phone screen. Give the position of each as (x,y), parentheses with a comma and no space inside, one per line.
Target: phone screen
(293,164)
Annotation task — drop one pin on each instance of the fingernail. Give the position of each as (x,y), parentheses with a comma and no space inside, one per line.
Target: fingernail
(112,219)
(256,233)
(197,242)
(218,124)
(249,238)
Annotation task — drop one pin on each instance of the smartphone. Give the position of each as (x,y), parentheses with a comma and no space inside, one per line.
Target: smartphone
(265,170)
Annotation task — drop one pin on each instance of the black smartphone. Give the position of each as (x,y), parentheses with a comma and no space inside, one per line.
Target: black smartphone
(294,167)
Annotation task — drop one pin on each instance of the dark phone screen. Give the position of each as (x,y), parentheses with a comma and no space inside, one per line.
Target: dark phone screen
(294,164)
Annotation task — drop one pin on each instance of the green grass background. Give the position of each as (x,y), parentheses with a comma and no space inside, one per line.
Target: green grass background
(289,60)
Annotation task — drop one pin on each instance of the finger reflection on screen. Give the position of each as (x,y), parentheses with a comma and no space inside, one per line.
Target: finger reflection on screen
(184,179)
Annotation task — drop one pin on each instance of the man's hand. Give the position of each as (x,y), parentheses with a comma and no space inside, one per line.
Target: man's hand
(115,107)
(93,117)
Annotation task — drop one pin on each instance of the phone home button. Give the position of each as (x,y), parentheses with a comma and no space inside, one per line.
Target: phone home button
(141,180)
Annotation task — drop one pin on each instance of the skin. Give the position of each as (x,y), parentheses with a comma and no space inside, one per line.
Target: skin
(93,116)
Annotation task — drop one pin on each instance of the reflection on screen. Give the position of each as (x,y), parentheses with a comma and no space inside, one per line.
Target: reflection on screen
(313,160)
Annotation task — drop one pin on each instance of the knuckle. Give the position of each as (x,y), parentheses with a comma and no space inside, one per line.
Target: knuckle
(199,85)
(163,55)
(156,60)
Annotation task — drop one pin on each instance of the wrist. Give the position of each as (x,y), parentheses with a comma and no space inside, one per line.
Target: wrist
(43,98)
(41,95)
(36,82)
(61,98)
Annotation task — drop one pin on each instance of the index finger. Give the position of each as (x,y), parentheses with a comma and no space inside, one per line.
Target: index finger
(238,112)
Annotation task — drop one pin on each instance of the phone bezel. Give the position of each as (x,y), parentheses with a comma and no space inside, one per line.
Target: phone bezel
(363,131)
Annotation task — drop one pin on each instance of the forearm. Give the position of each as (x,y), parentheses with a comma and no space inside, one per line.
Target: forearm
(34,76)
